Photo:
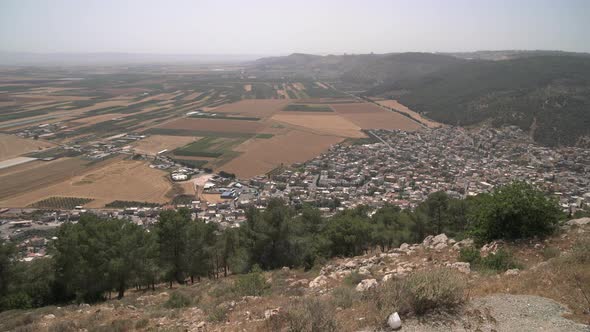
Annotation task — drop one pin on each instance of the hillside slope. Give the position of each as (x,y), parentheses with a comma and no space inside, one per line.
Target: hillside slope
(548,95)
(347,294)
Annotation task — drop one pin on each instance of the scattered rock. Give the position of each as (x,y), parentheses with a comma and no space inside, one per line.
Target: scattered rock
(404,246)
(299,283)
(201,325)
(350,265)
(394,321)
(286,269)
(512,272)
(318,282)
(366,285)
(387,277)
(49,316)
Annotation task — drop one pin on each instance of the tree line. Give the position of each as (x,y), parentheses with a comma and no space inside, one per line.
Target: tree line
(96,258)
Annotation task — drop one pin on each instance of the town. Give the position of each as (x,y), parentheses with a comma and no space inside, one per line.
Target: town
(389,167)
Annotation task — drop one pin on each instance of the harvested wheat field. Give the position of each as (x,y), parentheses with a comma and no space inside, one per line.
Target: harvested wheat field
(254,107)
(394,104)
(328,124)
(156,143)
(12,146)
(25,179)
(262,155)
(126,180)
(370,116)
(214,125)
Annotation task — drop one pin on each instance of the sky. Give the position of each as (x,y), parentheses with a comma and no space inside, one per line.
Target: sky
(275,27)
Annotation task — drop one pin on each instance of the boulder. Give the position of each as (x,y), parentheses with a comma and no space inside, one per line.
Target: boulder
(387,277)
(351,265)
(394,321)
(466,243)
(463,267)
(441,238)
(427,241)
(440,246)
(578,222)
(404,246)
(366,285)
(286,269)
(318,282)
(49,316)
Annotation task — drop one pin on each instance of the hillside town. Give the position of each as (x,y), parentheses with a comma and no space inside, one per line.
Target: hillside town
(388,167)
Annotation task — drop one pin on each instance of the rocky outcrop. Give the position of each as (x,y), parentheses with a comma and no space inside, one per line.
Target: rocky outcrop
(366,285)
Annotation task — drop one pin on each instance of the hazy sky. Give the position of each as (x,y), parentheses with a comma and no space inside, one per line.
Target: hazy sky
(282,27)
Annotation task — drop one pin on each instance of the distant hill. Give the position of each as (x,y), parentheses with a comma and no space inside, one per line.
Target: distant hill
(548,95)
(366,69)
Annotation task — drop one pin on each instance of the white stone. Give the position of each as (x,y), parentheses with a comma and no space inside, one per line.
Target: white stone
(394,321)
(404,246)
(366,285)
(387,277)
(512,272)
(441,238)
(578,222)
(318,282)
(350,265)
(427,241)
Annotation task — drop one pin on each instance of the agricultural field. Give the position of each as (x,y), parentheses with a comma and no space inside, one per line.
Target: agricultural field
(156,143)
(61,203)
(395,105)
(84,125)
(308,108)
(12,146)
(126,180)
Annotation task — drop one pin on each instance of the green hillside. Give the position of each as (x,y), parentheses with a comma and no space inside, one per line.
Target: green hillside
(549,95)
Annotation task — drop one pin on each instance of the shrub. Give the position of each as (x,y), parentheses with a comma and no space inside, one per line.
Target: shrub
(470,255)
(19,300)
(63,326)
(178,300)
(309,315)
(218,314)
(251,284)
(344,297)
(353,279)
(502,260)
(514,211)
(419,293)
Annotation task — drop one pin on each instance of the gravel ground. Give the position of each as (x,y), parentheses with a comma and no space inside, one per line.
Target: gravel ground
(502,313)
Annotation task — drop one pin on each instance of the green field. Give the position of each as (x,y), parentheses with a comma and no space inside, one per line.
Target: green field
(208,147)
(308,108)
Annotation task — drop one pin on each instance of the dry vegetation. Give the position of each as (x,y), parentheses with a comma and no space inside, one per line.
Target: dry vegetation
(101,182)
(12,146)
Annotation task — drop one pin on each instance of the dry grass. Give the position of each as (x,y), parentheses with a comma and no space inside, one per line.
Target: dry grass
(12,146)
(262,155)
(103,184)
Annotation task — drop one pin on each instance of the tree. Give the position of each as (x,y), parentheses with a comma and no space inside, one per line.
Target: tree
(514,211)
(172,239)
(6,259)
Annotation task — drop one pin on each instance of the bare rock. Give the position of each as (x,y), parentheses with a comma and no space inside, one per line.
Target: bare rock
(463,267)
(394,321)
(366,285)
(441,238)
(512,272)
(427,241)
(318,282)
(578,222)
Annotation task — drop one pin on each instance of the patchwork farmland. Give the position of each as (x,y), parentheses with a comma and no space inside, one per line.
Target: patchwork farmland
(72,139)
